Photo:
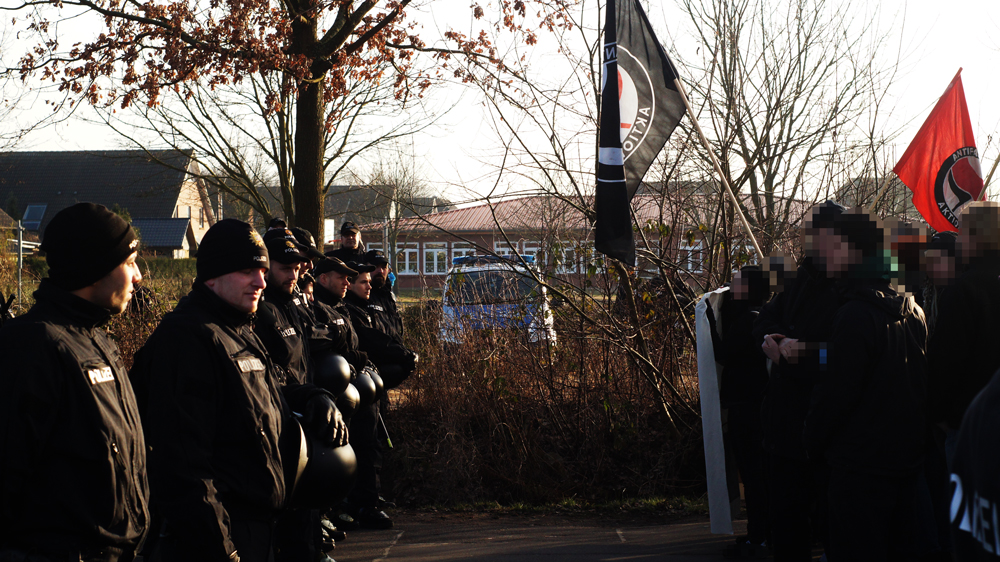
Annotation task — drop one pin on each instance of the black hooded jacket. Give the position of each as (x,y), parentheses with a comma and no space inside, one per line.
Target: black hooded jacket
(805,311)
(213,415)
(868,406)
(964,352)
(72,455)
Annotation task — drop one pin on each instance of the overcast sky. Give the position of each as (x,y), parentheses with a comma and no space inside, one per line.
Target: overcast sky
(937,38)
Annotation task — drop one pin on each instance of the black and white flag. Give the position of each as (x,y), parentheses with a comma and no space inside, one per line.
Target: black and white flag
(639,110)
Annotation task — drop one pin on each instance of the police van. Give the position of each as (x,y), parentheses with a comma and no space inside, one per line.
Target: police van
(492,293)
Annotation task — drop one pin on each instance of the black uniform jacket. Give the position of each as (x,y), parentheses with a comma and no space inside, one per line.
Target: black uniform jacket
(868,404)
(357,255)
(282,326)
(379,346)
(975,488)
(335,332)
(964,352)
(72,456)
(804,310)
(384,311)
(213,415)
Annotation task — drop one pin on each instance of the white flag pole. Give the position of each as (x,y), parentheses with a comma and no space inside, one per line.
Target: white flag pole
(718,167)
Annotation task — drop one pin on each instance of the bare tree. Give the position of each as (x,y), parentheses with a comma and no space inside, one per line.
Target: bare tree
(245,147)
(793,97)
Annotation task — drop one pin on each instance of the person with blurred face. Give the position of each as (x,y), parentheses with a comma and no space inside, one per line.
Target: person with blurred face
(963,353)
(866,417)
(72,455)
(791,329)
(742,384)
(214,407)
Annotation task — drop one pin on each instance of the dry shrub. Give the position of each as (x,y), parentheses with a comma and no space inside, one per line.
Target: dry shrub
(499,419)
(163,284)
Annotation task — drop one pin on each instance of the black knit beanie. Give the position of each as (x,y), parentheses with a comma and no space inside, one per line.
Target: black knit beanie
(824,215)
(83,243)
(862,229)
(230,245)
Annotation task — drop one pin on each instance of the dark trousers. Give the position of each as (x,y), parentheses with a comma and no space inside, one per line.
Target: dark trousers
(98,555)
(297,535)
(872,517)
(745,435)
(252,537)
(797,507)
(364,440)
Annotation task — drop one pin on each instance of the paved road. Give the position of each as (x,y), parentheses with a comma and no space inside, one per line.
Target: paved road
(420,537)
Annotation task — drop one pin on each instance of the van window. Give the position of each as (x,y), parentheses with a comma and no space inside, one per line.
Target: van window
(492,287)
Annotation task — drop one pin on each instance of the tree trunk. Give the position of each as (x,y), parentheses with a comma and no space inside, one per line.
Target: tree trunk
(309,123)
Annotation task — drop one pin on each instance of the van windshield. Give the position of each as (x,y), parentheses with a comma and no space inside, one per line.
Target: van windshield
(492,287)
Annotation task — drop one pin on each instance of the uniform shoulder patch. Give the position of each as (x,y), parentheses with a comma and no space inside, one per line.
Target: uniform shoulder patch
(248,364)
(99,374)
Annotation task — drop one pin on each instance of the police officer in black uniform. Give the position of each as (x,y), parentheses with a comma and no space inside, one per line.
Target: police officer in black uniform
(384,311)
(382,301)
(282,326)
(351,249)
(213,412)
(376,327)
(335,334)
(282,322)
(388,356)
(332,282)
(72,455)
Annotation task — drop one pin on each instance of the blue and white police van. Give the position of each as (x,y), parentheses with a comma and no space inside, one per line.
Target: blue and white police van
(497,294)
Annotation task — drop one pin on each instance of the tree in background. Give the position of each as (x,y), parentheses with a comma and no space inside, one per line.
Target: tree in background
(246,150)
(792,99)
(320,46)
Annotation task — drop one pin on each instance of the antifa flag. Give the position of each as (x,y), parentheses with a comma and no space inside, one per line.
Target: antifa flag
(941,165)
(639,110)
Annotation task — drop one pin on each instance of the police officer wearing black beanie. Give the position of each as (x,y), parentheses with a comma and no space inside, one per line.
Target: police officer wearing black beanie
(72,455)
(214,413)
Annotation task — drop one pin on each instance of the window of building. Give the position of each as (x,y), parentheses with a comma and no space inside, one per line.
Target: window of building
(564,256)
(435,258)
(501,248)
(690,257)
(459,249)
(534,249)
(201,217)
(407,258)
(33,214)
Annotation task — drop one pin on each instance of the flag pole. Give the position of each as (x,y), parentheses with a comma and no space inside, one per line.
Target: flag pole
(989,178)
(718,168)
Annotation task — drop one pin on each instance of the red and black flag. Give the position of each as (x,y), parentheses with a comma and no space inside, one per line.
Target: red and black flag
(941,165)
(639,110)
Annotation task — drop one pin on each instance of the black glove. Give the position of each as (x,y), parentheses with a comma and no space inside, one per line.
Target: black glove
(322,419)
